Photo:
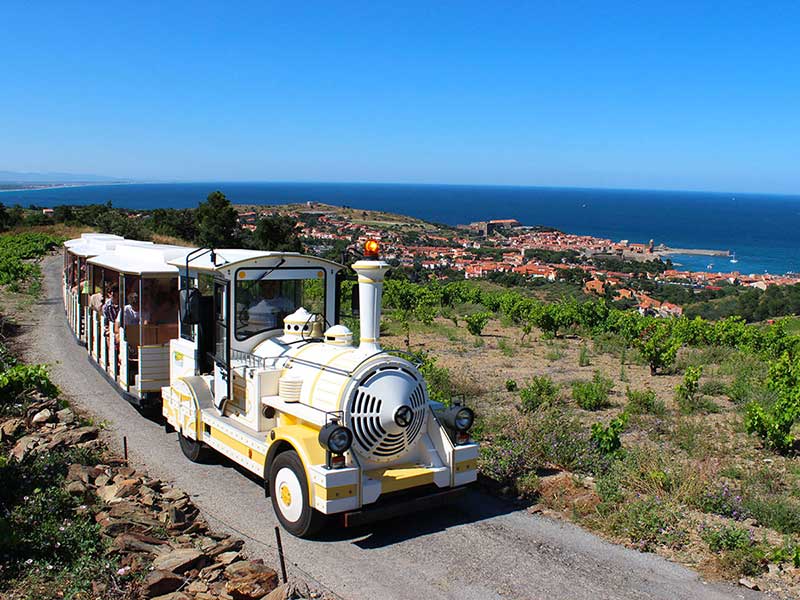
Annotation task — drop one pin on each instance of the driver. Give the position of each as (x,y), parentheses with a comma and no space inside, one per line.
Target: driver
(267,306)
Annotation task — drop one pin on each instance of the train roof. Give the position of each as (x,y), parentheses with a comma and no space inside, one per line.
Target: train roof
(139,258)
(229,257)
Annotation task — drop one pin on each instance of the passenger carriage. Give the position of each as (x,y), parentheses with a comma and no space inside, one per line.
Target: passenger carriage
(75,282)
(255,366)
(133,349)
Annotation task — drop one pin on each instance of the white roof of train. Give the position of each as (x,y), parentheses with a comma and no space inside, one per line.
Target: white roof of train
(92,246)
(227,257)
(140,258)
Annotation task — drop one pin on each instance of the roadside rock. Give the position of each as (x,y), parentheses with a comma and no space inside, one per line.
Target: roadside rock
(76,488)
(279,593)
(748,583)
(108,492)
(72,437)
(10,428)
(174,596)
(79,472)
(180,560)
(129,542)
(160,582)
(43,416)
(65,416)
(253,586)
(23,447)
(246,567)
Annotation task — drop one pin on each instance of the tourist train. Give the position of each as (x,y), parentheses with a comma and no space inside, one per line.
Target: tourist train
(243,353)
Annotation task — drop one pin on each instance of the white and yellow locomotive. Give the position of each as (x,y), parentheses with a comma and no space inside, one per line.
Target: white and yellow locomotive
(261,372)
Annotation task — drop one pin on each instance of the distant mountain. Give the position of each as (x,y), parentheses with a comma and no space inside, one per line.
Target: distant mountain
(19,177)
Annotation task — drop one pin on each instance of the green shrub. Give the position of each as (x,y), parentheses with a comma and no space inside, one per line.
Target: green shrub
(558,438)
(555,351)
(773,510)
(713,387)
(593,395)
(657,346)
(788,553)
(437,379)
(539,390)
(583,357)
(511,385)
(477,321)
(740,554)
(504,459)
(607,437)
(528,485)
(609,485)
(650,522)
(723,501)
(726,537)
(506,349)
(691,437)
(39,524)
(643,402)
(688,396)
(774,423)
(20,380)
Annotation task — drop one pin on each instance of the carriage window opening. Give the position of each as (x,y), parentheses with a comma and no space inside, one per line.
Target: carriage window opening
(159,302)
(131,309)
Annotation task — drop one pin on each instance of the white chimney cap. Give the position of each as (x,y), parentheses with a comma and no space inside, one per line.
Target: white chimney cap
(339,335)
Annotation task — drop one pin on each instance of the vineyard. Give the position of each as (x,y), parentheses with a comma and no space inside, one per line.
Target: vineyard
(19,254)
(677,436)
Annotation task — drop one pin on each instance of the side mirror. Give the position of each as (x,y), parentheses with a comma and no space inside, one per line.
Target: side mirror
(355,302)
(190,306)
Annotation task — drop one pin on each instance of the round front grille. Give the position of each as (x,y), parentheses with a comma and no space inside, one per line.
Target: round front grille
(378,413)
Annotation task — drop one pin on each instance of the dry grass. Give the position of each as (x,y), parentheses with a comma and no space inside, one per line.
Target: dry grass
(671,457)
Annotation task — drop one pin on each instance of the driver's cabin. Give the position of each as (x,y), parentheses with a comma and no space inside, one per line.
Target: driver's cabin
(232,300)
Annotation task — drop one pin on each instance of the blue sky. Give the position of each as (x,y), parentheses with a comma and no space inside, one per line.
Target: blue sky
(675,95)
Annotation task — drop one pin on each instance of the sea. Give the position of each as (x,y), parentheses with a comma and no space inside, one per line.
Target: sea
(762,230)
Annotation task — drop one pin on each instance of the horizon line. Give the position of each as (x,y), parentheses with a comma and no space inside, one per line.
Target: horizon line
(122,181)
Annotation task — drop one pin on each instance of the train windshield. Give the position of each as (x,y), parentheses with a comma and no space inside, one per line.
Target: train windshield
(262,305)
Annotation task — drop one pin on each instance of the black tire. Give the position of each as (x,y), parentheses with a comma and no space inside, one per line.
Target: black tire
(192,449)
(309,520)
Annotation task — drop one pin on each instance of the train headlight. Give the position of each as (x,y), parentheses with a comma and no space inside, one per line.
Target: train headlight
(335,438)
(464,419)
(459,418)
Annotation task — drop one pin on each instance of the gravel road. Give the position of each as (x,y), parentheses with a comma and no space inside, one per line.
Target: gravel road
(480,549)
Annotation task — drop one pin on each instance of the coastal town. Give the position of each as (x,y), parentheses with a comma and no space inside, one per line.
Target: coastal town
(480,249)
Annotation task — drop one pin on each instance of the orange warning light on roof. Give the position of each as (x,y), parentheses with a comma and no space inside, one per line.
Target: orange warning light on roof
(371,248)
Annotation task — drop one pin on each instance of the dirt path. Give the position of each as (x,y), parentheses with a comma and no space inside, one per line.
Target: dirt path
(481,549)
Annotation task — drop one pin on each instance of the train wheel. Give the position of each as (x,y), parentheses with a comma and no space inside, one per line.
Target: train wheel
(192,449)
(288,488)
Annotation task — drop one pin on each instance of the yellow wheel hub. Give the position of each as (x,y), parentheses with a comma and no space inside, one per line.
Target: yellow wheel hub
(286,495)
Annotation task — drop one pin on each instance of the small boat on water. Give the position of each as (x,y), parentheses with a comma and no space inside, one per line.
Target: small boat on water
(733,258)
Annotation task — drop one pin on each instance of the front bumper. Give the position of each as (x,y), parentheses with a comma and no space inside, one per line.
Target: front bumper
(404,504)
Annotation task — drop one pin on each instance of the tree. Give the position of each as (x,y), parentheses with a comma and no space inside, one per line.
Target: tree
(278,233)
(216,222)
(119,223)
(180,223)
(5,218)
